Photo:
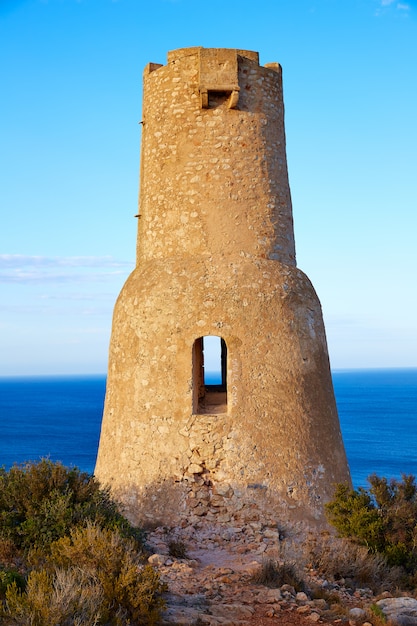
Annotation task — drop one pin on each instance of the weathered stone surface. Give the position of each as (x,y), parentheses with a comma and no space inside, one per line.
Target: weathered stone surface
(301,597)
(216,256)
(157,559)
(400,611)
(357,613)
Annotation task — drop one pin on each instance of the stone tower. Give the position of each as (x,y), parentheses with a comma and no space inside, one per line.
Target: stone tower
(216,257)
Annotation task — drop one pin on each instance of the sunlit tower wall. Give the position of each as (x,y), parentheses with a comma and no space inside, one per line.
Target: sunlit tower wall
(216,257)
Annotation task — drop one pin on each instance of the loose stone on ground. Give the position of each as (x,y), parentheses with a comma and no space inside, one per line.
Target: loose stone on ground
(214,584)
(400,611)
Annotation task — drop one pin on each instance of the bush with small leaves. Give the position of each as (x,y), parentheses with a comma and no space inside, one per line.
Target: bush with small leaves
(40,502)
(115,562)
(94,576)
(383,518)
(8,577)
(61,598)
(67,555)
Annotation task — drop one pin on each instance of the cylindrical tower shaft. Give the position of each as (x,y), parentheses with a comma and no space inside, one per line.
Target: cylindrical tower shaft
(216,256)
(213,167)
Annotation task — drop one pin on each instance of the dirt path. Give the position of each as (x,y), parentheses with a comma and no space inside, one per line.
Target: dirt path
(214,585)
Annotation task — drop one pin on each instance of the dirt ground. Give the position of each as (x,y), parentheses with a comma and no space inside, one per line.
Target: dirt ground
(215,583)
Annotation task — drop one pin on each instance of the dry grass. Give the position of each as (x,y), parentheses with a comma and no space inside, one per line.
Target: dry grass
(338,559)
(94,576)
(65,597)
(177,549)
(8,555)
(275,574)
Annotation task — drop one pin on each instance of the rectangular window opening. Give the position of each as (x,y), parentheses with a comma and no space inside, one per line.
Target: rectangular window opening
(210,375)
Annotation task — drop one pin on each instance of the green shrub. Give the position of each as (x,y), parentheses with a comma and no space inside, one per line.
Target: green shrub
(8,577)
(67,555)
(383,518)
(92,577)
(40,502)
(114,561)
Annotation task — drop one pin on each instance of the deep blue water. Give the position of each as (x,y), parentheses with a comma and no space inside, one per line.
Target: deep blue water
(60,418)
(378,417)
(51,417)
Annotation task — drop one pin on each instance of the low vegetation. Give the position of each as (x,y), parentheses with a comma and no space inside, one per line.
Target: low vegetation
(275,574)
(376,546)
(67,555)
(177,549)
(382,519)
(344,562)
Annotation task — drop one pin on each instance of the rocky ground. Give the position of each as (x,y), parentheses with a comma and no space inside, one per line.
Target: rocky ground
(215,584)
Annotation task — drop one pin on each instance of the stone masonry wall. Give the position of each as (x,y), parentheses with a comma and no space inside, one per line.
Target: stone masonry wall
(216,257)
(214,179)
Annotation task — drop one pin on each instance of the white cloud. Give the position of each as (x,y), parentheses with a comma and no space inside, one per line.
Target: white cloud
(19,268)
(401,6)
(21,260)
(394,4)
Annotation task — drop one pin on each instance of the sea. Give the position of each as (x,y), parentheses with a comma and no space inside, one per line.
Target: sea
(59,418)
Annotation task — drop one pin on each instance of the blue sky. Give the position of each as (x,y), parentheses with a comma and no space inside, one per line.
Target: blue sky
(71,81)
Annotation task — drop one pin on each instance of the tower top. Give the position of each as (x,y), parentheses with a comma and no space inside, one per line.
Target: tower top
(213,164)
(218,69)
(173,55)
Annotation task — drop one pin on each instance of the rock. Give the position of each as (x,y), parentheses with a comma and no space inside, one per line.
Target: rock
(301,597)
(400,611)
(225,517)
(217,501)
(224,490)
(236,611)
(289,589)
(320,604)
(274,595)
(195,469)
(357,613)
(200,509)
(157,559)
